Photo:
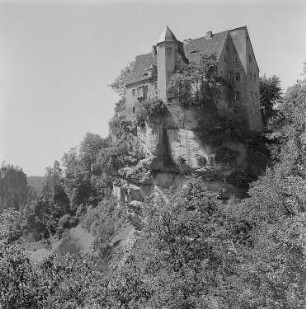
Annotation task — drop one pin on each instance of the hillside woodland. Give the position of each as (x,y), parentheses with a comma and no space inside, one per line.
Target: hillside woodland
(186,246)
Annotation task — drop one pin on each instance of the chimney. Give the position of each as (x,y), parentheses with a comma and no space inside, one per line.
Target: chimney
(154,52)
(209,35)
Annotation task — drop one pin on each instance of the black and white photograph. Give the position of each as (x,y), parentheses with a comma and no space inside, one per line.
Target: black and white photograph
(152,154)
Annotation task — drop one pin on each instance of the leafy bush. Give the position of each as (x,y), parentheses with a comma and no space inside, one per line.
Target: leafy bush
(198,83)
(65,222)
(150,109)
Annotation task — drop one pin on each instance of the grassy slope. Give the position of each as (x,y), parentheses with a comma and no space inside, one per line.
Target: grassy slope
(75,240)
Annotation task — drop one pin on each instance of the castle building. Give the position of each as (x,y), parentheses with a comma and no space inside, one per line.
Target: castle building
(151,73)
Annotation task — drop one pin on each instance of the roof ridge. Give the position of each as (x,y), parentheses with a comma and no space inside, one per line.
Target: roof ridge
(245,27)
(145,54)
(203,37)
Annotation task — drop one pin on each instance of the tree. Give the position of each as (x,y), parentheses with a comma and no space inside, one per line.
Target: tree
(276,211)
(54,192)
(90,147)
(185,258)
(118,85)
(270,95)
(18,279)
(198,83)
(14,190)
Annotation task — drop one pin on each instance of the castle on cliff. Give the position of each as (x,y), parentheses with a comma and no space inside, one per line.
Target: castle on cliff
(150,77)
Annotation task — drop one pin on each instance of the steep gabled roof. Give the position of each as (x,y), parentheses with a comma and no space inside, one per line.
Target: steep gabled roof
(142,64)
(197,47)
(166,35)
(193,50)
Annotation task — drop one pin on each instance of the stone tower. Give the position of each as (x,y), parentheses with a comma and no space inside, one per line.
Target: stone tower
(167,47)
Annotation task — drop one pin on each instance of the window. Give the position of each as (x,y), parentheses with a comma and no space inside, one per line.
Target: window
(140,92)
(169,50)
(254,76)
(133,92)
(237,95)
(133,109)
(250,58)
(230,76)
(236,59)
(237,76)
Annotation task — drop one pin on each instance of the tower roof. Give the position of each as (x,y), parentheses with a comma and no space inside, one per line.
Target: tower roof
(166,35)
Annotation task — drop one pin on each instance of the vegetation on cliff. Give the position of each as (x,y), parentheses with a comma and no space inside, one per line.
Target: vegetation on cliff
(192,249)
(198,83)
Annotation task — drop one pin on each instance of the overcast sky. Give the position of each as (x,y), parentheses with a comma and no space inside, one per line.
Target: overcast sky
(57,58)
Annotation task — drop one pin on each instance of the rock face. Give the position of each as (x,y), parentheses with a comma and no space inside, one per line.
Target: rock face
(186,148)
(151,135)
(177,144)
(175,139)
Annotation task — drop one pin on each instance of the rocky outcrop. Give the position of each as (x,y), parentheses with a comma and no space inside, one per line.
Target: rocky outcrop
(177,144)
(151,134)
(186,148)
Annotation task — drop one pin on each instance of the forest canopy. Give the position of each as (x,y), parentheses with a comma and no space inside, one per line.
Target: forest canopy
(190,249)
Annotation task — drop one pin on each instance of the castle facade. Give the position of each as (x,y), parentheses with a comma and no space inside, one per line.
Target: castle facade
(150,77)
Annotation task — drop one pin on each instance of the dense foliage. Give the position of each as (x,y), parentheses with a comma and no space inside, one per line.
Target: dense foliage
(14,189)
(270,96)
(148,110)
(198,83)
(193,249)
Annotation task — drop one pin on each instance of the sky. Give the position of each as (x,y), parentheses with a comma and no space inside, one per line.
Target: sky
(57,59)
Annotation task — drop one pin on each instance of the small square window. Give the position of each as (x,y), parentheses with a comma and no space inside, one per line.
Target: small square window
(237,95)
(237,76)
